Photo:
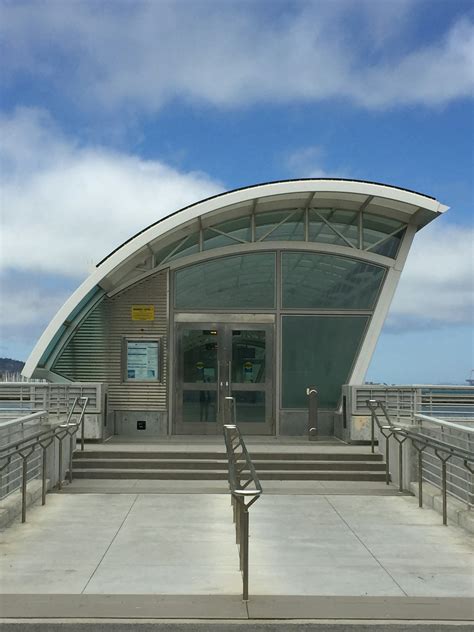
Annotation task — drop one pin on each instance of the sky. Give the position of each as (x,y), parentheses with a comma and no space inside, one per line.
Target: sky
(114,114)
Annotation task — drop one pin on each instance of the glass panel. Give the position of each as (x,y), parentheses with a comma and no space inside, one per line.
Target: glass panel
(242,281)
(250,406)
(318,351)
(291,230)
(164,252)
(390,246)
(190,247)
(320,281)
(264,222)
(199,349)
(248,356)
(216,240)
(199,406)
(376,227)
(239,228)
(344,221)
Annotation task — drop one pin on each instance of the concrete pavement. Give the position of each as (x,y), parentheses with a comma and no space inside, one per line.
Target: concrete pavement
(184,544)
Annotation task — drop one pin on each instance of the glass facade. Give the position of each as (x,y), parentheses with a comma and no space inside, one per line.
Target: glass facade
(338,227)
(318,351)
(319,281)
(243,281)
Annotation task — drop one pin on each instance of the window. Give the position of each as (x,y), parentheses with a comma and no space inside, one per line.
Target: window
(318,351)
(323,281)
(241,281)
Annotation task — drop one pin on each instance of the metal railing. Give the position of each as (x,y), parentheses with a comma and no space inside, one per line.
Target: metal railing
(452,403)
(439,447)
(28,443)
(245,489)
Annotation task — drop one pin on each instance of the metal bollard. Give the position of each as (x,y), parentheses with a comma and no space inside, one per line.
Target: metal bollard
(312,393)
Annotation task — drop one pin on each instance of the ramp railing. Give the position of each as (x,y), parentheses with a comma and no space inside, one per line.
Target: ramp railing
(28,439)
(445,456)
(245,489)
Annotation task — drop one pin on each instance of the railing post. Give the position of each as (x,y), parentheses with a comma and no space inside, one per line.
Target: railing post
(387,459)
(60,464)
(312,393)
(23,488)
(445,491)
(372,432)
(245,552)
(420,478)
(72,438)
(43,477)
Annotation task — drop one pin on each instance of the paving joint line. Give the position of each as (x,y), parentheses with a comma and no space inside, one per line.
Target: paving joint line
(111,542)
(366,547)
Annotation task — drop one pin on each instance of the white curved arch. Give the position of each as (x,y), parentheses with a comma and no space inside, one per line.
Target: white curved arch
(406,199)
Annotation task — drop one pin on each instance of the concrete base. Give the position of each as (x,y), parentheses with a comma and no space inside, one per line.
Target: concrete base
(458,514)
(10,507)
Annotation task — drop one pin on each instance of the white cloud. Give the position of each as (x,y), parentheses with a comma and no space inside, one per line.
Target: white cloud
(307,162)
(147,54)
(437,284)
(65,207)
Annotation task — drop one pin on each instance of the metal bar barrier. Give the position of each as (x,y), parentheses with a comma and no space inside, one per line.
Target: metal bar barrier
(26,446)
(443,450)
(245,489)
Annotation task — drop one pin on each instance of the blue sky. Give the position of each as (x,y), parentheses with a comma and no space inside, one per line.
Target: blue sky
(113,114)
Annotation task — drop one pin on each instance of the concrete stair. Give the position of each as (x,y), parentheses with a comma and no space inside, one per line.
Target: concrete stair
(212,465)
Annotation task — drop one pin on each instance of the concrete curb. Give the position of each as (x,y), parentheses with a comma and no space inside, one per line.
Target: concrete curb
(231,607)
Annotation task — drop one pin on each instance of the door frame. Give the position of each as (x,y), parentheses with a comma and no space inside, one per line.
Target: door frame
(225,322)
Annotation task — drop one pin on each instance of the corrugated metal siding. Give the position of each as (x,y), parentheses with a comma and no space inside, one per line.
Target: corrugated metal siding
(94,353)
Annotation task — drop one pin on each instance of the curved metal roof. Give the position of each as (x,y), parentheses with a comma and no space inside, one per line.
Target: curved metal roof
(256,186)
(373,197)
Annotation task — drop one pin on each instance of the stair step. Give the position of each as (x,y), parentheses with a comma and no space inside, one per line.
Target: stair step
(221,475)
(260,466)
(256,456)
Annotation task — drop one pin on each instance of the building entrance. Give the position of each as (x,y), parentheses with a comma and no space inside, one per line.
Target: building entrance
(217,360)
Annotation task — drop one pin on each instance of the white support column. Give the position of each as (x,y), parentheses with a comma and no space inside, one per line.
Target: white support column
(383,304)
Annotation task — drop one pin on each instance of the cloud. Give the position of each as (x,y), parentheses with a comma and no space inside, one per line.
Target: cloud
(66,206)
(437,284)
(148,54)
(307,162)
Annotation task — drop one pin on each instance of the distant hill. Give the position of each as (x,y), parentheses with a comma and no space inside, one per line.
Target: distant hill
(10,366)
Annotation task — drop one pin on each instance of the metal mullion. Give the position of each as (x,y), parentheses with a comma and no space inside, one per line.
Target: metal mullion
(221,232)
(335,229)
(278,225)
(176,248)
(381,241)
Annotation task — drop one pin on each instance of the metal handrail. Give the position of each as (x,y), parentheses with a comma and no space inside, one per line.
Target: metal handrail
(245,489)
(26,446)
(442,449)
(443,422)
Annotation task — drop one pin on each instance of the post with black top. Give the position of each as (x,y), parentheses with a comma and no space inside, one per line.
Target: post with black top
(312,393)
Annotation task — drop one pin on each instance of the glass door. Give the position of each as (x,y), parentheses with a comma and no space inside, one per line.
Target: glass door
(250,355)
(217,360)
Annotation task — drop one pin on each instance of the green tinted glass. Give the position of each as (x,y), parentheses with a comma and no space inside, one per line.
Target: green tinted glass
(188,247)
(243,281)
(279,225)
(318,351)
(377,228)
(320,281)
(341,227)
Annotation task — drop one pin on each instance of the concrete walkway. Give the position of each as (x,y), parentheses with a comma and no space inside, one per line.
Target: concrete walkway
(184,544)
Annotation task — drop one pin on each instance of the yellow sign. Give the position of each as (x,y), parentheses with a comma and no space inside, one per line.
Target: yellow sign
(143,312)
